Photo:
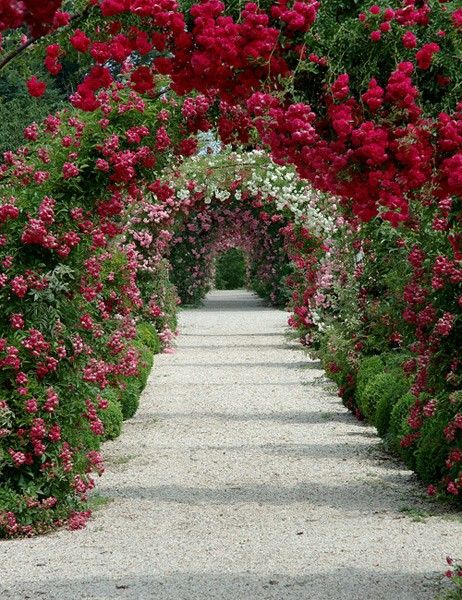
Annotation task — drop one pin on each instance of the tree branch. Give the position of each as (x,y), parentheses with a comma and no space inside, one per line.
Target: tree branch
(17,51)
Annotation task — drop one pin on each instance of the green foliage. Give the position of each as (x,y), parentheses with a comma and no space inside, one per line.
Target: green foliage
(335,353)
(130,389)
(18,109)
(42,519)
(369,368)
(231,270)
(368,393)
(380,395)
(455,575)
(9,498)
(394,360)
(399,427)
(339,35)
(129,398)
(112,417)
(432,448)
(145,364)
(79,435)
(147,335)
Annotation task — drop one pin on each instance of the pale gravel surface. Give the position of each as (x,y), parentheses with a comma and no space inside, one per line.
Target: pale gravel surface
(242,477)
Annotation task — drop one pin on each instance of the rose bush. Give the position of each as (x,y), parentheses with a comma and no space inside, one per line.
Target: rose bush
(72,293)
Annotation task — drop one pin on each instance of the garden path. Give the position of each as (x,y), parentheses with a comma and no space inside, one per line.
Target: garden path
(242,477)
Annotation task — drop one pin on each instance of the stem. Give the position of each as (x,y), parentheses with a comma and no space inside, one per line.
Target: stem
(14,53)
(17,51)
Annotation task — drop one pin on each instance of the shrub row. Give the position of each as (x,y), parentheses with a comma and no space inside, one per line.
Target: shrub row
(378,389)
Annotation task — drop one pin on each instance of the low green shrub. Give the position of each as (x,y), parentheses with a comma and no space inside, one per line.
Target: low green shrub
(394,360)
(145,363)
(144,376)
(368,394)
(380,395)
(112,418)
(370,367)
(129,398)
(391,387)
(147,335)
(399,428)
(432,447)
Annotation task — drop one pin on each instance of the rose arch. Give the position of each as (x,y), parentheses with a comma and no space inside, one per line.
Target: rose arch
(342,181)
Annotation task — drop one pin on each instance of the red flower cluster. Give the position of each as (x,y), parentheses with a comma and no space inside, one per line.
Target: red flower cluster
(38,16)
(36,87)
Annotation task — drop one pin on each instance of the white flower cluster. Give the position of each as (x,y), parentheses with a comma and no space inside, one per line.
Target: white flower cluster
(215,175)
(291,194)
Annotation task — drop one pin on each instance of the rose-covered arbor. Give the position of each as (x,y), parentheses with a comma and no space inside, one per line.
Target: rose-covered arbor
(383,143)
(90,241)
(240,199)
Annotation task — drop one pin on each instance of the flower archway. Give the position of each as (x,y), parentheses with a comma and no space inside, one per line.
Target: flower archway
(96,207)
(91,247)
(232,198)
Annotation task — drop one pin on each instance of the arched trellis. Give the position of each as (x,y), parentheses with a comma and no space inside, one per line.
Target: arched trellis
(88,286)
(389,156)
(232,196)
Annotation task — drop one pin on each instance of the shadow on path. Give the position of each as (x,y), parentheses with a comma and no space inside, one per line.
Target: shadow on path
(314,584)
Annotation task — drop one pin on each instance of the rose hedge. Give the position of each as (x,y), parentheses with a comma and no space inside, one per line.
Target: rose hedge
(72,292)
(374,296)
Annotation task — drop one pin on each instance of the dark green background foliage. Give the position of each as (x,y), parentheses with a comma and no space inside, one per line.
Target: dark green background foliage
(231,273)
(17,108)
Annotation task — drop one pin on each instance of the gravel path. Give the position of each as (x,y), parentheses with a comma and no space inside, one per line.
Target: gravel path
(242,477)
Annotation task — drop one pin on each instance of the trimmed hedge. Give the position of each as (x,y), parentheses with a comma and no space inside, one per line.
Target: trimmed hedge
(369,368)
(433,447)
(148,336)
(388,389)
(112,418)
(399,428)
(383,390)
(129,398)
